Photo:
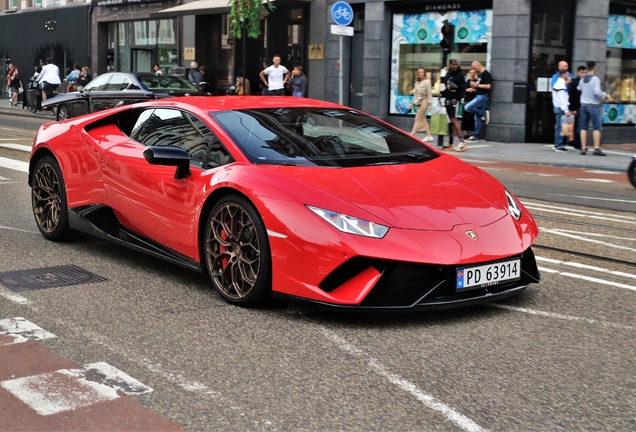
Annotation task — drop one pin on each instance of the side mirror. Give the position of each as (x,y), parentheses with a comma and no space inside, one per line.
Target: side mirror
(170,156)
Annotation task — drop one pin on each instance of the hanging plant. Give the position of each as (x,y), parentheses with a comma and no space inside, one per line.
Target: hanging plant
(250,12)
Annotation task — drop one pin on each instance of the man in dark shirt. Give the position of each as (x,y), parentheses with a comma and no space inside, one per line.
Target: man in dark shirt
(479,105)
(575,104)
(455,83)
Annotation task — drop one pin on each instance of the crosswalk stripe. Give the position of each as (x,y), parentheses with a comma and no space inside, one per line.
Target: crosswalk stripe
(20,330)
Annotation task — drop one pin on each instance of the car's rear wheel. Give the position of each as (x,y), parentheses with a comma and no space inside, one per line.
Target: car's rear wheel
(63,113)
(48,198)
(237,253)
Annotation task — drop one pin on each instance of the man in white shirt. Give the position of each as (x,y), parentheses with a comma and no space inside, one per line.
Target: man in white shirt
(561,103)
(277,77)
(49,78)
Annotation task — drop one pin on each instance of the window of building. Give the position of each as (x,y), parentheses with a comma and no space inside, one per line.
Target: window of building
(145,42)
(416,39)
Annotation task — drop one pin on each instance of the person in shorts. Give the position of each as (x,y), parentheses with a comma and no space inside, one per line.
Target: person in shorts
(49,79)
(591,99)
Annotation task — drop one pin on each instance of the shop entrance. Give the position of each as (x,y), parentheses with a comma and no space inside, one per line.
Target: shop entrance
(551,42)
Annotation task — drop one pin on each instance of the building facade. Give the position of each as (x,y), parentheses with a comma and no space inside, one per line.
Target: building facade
(519,41)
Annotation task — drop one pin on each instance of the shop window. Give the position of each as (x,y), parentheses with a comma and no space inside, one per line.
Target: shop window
(416,39)
(620,74)
(157,37)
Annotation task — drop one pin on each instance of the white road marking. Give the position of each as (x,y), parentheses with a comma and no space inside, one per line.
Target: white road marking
(588,278)
(561,316)
(19,229)
(570,213)
(479,145)
(582,237)
(596,213)
(596,180)
(11,129)
(14,164)
(16,298)
(22,330)
(587,267)
(59,391)
(460,420)
(603,199)
(548,175)
(602,172)
(117,379)
(14,146)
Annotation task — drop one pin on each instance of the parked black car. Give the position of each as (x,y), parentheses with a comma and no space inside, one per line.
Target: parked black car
(119,88)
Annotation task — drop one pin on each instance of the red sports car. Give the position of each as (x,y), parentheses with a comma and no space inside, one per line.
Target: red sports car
(286,197)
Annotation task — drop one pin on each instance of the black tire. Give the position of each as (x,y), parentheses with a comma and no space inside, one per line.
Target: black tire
(631,173)
(63,113)
(236,252)
(48,199)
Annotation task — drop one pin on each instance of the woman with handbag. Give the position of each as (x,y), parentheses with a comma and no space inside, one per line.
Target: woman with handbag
(422,96)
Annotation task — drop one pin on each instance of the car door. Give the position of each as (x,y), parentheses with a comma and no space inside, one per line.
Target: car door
(147,197)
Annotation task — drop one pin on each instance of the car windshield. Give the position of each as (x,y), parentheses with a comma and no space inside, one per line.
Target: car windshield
(166,82)
(319,136)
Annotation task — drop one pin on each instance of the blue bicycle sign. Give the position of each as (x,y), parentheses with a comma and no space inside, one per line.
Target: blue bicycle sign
(342,13)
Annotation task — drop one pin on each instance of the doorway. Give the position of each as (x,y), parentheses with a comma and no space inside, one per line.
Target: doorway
(141,60)
(552,28)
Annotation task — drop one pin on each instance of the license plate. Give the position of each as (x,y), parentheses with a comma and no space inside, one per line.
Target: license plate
(488,275)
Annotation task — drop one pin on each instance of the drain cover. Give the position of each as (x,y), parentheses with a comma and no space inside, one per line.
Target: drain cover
(47,277)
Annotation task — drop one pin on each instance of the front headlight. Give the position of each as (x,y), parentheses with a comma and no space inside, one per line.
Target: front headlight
(350,224)
(513,205)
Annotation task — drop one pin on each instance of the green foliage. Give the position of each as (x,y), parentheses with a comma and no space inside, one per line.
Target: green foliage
(251,12)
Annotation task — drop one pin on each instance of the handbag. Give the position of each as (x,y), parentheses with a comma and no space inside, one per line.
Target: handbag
(417,102)
(439,125)
(435,106)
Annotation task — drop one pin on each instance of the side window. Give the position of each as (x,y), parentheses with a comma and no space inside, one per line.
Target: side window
(98,84)
(118,82)
(170,127)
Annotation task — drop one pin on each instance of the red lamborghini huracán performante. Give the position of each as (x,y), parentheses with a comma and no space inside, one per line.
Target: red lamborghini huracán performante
(287,198)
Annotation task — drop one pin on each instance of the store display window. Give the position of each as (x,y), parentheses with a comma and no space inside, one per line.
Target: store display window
(620,74)
(416,39)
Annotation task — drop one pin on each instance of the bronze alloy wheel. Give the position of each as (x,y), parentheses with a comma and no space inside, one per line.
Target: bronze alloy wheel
(237,252)
(49,200)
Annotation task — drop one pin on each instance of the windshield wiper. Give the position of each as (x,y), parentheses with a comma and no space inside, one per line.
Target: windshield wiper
(417,156)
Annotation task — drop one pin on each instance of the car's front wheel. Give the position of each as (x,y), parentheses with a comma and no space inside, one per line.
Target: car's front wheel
(63,113)
(48,198)
(237,252)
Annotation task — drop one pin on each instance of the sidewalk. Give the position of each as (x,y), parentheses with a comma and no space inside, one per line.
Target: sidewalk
(617,159)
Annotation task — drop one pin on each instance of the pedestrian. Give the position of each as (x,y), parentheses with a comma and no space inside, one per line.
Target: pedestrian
(468,120)
(422,99)
(15,84)
(156,69)
(591,98)
(7,79)
(479,106)
(454,83)
(562,66)
(84,78)
(230,88)
(72,78)
(561,105)
(49,79)
(207,85)
(574,96)
(262,86)
(277,77)
(298,82)
(242,85)
(194,76)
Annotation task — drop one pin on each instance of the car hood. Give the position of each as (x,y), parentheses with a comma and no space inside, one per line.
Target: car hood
(435,195)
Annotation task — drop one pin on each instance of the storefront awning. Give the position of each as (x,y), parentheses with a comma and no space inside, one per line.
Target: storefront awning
(199,7)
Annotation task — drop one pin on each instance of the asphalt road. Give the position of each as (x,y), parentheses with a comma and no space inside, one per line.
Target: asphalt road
(560,356)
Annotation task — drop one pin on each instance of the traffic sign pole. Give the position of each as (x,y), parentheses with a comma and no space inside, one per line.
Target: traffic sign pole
(342,15)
